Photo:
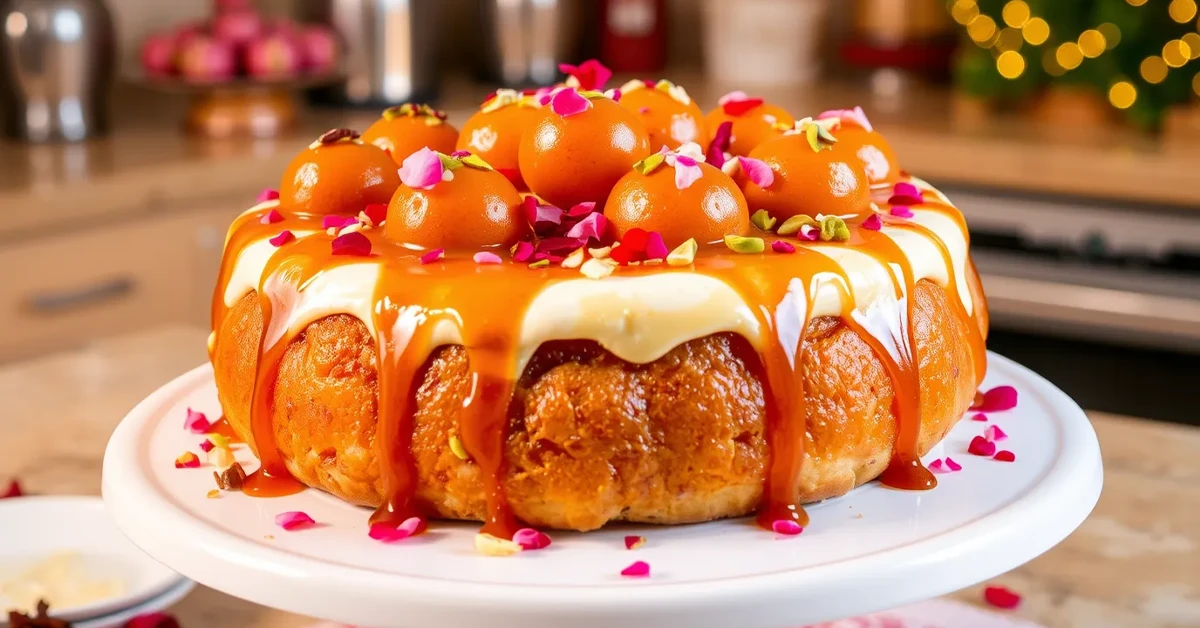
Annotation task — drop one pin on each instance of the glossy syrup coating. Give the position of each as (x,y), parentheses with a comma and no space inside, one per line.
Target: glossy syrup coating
(752,127)
(475,209)
(707,210)
(496,137)
(831,181)
(401,135)
(669,122)
(576,159)
(873,151)
(338,178)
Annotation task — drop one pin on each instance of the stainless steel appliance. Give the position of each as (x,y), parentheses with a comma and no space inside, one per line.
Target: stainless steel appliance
(525,40)
(390,48)
(56,66)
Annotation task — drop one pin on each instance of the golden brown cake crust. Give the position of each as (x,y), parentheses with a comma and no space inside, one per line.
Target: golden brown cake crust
(592,438)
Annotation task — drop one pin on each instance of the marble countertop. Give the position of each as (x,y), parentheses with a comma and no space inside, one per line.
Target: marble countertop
(1135,563)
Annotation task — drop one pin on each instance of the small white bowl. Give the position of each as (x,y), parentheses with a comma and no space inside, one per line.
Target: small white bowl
(34,528)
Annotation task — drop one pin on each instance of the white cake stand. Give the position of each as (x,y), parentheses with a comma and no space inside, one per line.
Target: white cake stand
(870,550)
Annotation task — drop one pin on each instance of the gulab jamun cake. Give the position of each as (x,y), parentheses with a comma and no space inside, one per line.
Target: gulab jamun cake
(595,306)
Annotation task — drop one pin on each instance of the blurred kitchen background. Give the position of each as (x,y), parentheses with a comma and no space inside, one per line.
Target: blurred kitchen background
(1068,131)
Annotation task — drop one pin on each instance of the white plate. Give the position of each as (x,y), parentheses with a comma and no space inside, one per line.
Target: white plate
(161,603)
(873,549)
(34,528)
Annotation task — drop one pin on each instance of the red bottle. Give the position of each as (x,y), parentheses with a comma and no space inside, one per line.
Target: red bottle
(633,35)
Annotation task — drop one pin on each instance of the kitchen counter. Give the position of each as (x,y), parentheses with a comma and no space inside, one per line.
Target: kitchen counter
(149,166)
(1132,564)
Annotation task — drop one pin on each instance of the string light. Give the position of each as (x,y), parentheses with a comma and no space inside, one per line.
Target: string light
(1112,34)
(1068,55)
(964,11)
(1136,3)
(1193,43)
(1122,94)
(1092,43)
(1009,39)
(1182,11)
(1016,13)
(1154,70)
(1050,64)
(981,29)
(1176,53)
(1036,31)
(1010,64)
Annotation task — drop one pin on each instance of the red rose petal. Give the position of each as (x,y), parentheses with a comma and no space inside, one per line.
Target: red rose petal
(13,490)
(153,620)
(337,222)
(271,217)
(522,252)
(952,465)
(981,446)
(582,209)
(997,399)
(779,246)
(389,533)
(655,247)
(376,213)
(979,416)
(757,171)
(634,541)
(902,211)
(353,243)
(936,466)
(268,195)
(293,520)
(1005,455)
(905,193)
(786,527)
(567,102)
(873,223)
(530,539)
(1001,597)
(196,422)
(593,225)
(591,74)
(433,256)
(283,238)
(993,432)
(715,156)
(639,569)
(206,446)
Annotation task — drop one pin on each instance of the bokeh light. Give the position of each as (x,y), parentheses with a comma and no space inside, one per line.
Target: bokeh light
(1122,94)
(1010,64)
(1050,64)
(981,29)
(1153,69)
(1193,43)
(1016,13)
(1111,32)
(1176,53)
(1092,44)
(1182,11)
(1068,55)
(964,11)
(1010,39)
(1036,31)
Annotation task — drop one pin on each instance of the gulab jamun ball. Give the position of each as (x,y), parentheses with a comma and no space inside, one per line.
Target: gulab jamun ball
(338,174)
(856,134)
(678,201)
(754,121)
(403,130)
(494,132)
(641,338)
(579,146)
(812,175)
(670,116)
(454,202)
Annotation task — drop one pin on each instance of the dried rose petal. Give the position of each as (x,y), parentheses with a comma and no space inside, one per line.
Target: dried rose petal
(283,238)
(786,527)
(558,245)
(634,541)
(522,251)
(530,539)
(979,416)
(567,102)
(337,222)
(656,248)
(981,446)
(855,115)
(757,171)
(293,519)
(268,195)
(187,460)
(582,209)
(153,620)
(487,257)
(997,399)
(810,232)
(639,569)
(872,223)
(715,155)
(542,214)
(1001,597)
(593,225)
(196,422)
(737,103)
(271,217)
(936,466)
(613,95)
(376,213)
(206,446)
(905,193)
(901,211)
(589,75)
(780,246)
(352,243)
(993,432)
(1005,455)
(952,465)
(433,256)
(459,154)
(687,172)
(421,170)
(390,534)
(13,490)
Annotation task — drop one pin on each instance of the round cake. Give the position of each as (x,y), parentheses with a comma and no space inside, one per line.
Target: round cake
(651,332)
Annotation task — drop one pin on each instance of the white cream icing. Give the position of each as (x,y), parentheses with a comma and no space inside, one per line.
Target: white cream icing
(641,318)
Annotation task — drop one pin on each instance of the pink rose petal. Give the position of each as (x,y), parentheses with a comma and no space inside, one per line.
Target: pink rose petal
(994,433)
(757,171)
(715,156)
(686,175)
(293,520)
(560,244)
(639,569)
(979,416)
(530,539)
(936,466)
(634,541)
(855,115)
(433,256)
(283,238)
(905,193)
(809,232)
(901,211)
(487,257)
(13,490)
(390,534)
(737,103)
(459,154)
(981,446)
(872,223)
(268,195)
(376,213)
(614,94)
(337,222)
(353,243)
(271,217)
(1001,597)
(593,225)
(196,422)
(780,246)
(733,96)
(567,102)
(997,399)
(591,74)
(582,209)
(523,252)
(153,620)
(1005,455)
(206,446)
(952,465)
(421,170)
(656,248)
(786,527)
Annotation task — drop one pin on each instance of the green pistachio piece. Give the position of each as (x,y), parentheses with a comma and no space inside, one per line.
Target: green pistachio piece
(475,161)
(649,164)
(742,244)
(792,225)
(834,229)
(763,220)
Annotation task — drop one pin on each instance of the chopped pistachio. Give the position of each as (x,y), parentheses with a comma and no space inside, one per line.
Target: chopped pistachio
(834,229)
(649,164)
(684,254)
(793,224)
(600,253)
(743,244)
(449,163)
(574,260)
(475,161)
(763,220)
(598,268)
(542,263)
